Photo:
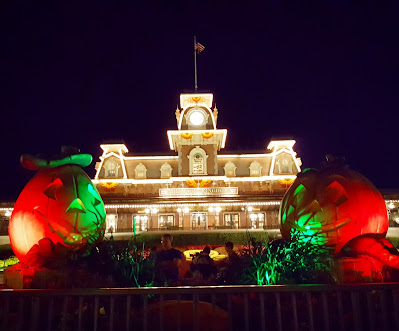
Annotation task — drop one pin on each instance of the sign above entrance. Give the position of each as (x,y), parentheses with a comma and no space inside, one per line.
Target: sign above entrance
(198,191)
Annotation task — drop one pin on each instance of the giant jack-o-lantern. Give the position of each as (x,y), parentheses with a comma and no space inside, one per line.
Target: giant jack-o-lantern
(59,204)
(334,204)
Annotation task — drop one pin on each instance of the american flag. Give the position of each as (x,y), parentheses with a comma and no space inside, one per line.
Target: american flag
(199,47)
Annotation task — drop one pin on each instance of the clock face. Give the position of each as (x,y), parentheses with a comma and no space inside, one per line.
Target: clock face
(197,118)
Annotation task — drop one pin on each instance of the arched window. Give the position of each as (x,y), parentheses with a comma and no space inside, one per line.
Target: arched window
(255,169)
(230,169)
(197,160)
(166,171)
(111,168)
(140,171)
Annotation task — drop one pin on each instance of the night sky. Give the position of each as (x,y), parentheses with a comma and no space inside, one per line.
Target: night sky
(80,74)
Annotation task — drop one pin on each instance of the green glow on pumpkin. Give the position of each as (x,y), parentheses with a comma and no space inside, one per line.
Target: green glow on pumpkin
(76,206)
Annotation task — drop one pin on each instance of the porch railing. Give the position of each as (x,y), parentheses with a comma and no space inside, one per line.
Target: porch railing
(305,307)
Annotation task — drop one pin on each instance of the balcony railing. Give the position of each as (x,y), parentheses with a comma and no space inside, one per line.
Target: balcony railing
(306,307)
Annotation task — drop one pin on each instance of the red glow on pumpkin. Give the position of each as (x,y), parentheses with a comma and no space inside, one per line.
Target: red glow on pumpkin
(337,204)
(56,204)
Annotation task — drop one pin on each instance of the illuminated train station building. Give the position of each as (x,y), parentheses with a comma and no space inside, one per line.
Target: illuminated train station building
(197,185)
(200,185)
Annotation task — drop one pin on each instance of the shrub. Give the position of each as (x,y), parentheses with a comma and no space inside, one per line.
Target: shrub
(128,264)
(299,261)
(207,238)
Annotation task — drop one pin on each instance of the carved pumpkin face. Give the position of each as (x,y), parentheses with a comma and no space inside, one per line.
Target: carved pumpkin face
(335,205)
(59,203)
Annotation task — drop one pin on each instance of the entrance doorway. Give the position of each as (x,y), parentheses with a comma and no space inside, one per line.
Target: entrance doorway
(257,220)
(140,222)
(199,220)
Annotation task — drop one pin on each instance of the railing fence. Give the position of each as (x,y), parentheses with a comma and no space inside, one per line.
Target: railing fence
(306,307)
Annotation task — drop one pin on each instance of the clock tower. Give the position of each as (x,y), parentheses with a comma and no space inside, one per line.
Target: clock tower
(197,140)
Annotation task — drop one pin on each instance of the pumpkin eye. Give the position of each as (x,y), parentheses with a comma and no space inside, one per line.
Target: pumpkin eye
(336,193)
(299,195)
(94,193)
(50,190)
(76,206)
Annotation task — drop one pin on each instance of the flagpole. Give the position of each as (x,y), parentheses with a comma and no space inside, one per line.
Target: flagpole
(195,63)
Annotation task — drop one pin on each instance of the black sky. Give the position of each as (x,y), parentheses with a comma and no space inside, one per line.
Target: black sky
(82,73)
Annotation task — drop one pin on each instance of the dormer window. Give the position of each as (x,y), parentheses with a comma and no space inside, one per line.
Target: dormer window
(255,169)
(111,168)
(140,171)
(166,171)
(285,165)
(230,169)
(198,159)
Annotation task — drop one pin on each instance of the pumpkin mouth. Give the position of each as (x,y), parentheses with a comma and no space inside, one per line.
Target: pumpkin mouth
(317,229)
(68,237)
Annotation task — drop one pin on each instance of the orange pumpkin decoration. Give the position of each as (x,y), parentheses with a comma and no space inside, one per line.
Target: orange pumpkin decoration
(109,186)
(187,135)
(207,135)
(334,204)
(205,183)
(192,182)
(59,204)
(285,182)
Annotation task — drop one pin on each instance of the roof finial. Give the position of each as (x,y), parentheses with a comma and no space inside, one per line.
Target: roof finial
(177,113)
(215,114)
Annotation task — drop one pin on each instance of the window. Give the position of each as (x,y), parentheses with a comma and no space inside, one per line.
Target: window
(166,220)
(257,220)
(166,171)
(111,168)
(255,169)
(230,169)
(284,165)
(140,171)
(111,222)
(232,220)
(140,222)
(198,159)
(199,220)
(198,164)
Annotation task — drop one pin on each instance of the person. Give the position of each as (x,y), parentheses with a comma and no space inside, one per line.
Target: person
(230,271)
(232,255)
(168,262)
(203,263)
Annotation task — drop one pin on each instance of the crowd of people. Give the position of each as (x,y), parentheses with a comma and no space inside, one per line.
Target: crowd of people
(202,270)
